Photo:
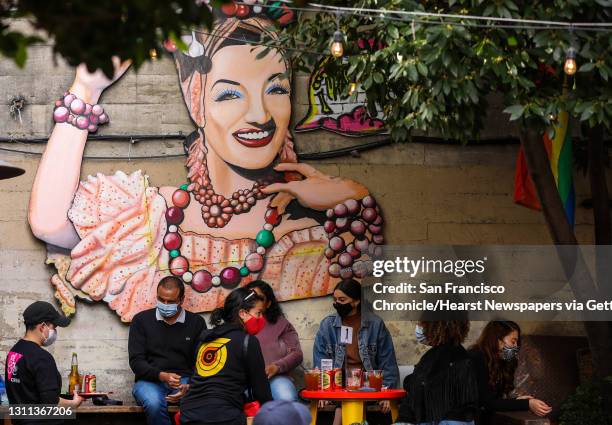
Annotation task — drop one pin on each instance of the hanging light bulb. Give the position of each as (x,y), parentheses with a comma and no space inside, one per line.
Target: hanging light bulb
(337,47)
(570,62)
(352,88)
(153,54)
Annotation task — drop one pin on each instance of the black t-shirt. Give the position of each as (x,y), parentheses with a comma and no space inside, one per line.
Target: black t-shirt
(222,375)
(31,377)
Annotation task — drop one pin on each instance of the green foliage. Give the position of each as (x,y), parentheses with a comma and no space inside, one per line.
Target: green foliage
(92,32)
(437,78)
(14,44)
(425,78)
(586,405)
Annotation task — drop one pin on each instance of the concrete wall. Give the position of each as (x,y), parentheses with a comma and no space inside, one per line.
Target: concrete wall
(431,194)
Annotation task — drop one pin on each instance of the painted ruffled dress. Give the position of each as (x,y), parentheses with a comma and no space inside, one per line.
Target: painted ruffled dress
(120,258)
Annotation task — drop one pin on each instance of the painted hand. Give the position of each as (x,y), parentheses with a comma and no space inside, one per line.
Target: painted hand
(317,190)
(89,85)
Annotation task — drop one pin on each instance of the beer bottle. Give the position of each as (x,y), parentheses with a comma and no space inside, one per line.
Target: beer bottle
(74,379)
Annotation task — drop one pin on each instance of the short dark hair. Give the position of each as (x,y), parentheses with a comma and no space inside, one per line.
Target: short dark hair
(32,326)
(171,282)
(274,311)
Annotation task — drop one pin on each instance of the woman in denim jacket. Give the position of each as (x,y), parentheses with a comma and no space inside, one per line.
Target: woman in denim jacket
(372,347)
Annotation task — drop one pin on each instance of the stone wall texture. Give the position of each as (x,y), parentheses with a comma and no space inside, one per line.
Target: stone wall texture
(431,194)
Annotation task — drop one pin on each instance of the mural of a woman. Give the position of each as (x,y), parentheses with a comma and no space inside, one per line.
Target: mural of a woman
(241,215)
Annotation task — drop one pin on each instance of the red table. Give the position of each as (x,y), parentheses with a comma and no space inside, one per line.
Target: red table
(353,402)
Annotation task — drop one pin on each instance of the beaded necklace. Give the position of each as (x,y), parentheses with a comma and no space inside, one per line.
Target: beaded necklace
(202,280)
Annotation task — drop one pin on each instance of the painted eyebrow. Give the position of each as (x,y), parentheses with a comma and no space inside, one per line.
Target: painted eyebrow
(273,76)
(234,83)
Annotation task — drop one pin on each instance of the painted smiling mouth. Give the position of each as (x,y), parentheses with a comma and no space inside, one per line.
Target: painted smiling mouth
(254,138)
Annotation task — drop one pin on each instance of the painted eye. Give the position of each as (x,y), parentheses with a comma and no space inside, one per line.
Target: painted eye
(228,94)
(277,89)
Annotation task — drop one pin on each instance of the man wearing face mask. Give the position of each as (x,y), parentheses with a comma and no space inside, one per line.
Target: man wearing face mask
(161,349)
(31,374)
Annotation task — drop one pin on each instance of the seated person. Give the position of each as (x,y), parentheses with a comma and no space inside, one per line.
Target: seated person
(30,371)
(369,332)
(442,389)
(161,349)
(280,344)
(229,364)
(495,359)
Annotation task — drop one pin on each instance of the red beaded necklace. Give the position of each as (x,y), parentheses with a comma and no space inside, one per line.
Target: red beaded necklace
(217,210)
(202,280)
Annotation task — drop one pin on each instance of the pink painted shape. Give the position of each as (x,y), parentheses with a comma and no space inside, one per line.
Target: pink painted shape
(358,121)
(11,363)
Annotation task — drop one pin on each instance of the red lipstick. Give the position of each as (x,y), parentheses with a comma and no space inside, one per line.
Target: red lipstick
(253,138)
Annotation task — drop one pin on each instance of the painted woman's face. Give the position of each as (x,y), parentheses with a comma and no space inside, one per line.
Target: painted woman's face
(247,106)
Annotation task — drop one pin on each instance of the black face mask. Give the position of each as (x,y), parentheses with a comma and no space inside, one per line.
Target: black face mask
(343,309)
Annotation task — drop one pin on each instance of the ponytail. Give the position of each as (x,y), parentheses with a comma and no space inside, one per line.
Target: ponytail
(238,299)
(216,317)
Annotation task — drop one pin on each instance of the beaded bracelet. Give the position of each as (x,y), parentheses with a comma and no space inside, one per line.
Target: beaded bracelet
(358,218)
(72,110)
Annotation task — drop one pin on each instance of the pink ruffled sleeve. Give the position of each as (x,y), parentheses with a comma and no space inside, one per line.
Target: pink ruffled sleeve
(121,222)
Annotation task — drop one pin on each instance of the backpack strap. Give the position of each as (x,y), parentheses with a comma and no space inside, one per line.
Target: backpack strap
(245,346)
(245,349)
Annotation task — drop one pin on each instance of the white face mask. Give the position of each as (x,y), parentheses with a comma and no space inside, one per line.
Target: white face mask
(51,338)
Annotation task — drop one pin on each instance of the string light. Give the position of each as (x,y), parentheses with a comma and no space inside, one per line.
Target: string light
(448,19)
(337,46)
(153,54)
(519,22)
(570,62)
(352,88)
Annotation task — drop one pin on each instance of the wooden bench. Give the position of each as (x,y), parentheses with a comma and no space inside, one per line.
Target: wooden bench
(91,408)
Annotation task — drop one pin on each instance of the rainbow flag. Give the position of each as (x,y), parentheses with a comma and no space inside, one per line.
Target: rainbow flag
(559,151)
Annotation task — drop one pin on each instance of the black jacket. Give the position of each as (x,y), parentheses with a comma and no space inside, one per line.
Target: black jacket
(442,387)
(155,346)
(223,374)
(491,399)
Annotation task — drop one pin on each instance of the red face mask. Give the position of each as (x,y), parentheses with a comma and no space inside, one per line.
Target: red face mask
(254,325)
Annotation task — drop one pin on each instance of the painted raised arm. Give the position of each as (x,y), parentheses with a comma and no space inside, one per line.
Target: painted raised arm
(59,170)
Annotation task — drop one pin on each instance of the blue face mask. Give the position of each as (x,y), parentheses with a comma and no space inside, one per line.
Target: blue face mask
(420,336)
(167,310)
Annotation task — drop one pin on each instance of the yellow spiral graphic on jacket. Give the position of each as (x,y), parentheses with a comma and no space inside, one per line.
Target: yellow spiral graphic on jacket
(212,357)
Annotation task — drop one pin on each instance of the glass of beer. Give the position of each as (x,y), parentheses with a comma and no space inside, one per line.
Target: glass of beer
(353,379)
(312,378)
(375,379)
